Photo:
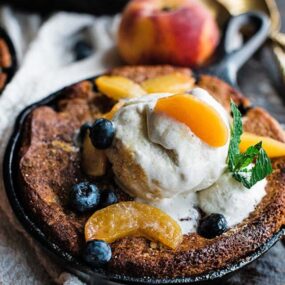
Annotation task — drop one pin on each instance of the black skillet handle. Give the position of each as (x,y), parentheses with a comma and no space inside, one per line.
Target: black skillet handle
(233,60)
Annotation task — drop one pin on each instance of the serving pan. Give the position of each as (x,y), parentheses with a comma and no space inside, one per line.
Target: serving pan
(226,69)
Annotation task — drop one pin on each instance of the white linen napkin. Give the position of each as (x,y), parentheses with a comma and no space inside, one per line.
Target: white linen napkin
(46,65)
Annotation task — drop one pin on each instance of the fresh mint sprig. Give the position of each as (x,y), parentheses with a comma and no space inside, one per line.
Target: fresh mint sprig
(236,132)
(248,167)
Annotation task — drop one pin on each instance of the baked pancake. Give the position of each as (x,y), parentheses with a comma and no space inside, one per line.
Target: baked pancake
(50,163)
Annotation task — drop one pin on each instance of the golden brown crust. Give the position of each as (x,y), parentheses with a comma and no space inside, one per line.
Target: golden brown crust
(260,122)
(50,162)
(140,73)
(48,154)
(221,91)
(134,255)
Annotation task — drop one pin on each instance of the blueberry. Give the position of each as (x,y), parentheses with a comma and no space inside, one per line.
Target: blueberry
(97,253)
(212,226)
(84,197)
(108,197)
(102,133)
(82,50)
(83,131)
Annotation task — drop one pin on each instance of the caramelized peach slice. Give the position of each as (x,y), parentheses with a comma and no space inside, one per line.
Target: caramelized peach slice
(173,83)
(204,121)
(118,87)
(133,219)
(94,161)
(272,147)
(114,110)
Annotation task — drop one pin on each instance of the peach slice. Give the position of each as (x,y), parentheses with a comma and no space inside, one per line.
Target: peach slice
(173,83)
(272,147)
(118,87)
(114,110)
(94,161)
(133,219)
(204,121)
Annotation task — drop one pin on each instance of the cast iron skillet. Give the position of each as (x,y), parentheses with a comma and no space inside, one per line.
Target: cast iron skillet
(226,70)
(9,71)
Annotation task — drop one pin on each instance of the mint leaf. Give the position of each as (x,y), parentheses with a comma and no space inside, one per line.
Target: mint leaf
(251,166)
(248,175)
(236,132)
(244,160)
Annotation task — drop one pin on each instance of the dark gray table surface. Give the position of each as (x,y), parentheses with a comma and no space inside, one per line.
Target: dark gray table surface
(255,83)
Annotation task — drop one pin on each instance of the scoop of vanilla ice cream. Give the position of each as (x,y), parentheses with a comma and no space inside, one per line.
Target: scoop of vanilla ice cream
(155,156)
(230,198)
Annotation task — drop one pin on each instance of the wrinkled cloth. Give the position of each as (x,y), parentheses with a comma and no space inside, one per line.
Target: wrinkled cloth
(46,64)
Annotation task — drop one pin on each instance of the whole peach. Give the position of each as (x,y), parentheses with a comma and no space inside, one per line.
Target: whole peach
(179,32)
